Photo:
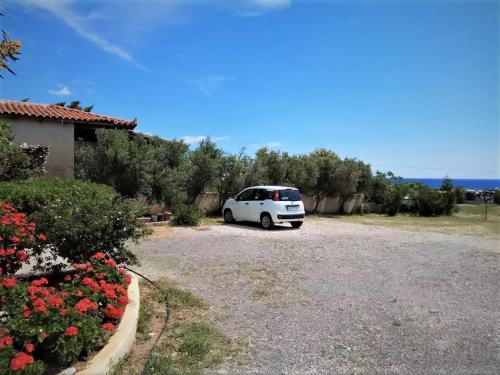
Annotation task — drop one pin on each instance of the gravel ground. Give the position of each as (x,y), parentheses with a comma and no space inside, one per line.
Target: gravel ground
(336,297)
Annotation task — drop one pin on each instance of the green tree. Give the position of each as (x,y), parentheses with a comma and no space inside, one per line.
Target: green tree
(9,52)
(447,184)
(327,165)
(75,104)
(379,185)
(204,167)
(302,173)
(115,160)
(231,175)
(168,169)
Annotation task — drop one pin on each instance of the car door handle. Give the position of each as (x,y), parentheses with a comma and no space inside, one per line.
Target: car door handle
(261,203)
(246,203)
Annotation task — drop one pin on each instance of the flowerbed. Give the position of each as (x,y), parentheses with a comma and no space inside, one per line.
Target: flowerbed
(58,319)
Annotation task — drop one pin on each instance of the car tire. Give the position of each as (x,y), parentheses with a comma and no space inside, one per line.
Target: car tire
(266,221)
(297,224)
(228,216)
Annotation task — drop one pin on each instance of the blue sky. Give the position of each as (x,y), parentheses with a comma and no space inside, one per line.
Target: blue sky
(406,86)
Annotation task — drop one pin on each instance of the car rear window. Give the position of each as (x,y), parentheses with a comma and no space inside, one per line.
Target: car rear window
(290,195)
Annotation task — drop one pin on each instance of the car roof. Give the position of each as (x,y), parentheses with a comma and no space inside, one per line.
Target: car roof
(271,187)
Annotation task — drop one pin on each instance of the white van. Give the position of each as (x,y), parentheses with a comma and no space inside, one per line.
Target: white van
(267,205)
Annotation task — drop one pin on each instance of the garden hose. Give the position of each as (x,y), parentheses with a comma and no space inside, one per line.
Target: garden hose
(165,324)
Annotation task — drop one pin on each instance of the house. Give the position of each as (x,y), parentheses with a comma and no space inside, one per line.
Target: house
(58,128)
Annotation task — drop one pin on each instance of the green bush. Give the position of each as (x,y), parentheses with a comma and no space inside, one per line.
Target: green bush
(496,197)
(460,195)
(79,218)
(14,162)
(188,215)
(393,198)
(431,202)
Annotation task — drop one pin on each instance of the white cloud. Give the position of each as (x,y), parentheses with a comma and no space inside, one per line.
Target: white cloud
(80,24)
(63,91)
(195,139)
(210,83)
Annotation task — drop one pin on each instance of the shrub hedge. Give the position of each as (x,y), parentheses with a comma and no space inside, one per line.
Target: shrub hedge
(188,215)
(79,218)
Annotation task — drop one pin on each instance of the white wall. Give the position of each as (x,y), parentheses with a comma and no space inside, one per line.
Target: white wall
(59,137)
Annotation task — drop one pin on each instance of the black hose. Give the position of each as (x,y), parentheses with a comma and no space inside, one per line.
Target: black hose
(165,324)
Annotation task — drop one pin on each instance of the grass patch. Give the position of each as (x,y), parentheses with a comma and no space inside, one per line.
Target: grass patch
(263,279)
(178,298)
(146,312)
(187,347)
(470,219)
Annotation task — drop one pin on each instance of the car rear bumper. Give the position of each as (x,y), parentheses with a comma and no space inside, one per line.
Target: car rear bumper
(289,217)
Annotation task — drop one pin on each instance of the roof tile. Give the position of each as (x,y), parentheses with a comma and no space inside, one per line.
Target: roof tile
(52,111)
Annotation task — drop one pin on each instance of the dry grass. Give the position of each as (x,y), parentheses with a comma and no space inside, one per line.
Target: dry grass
(469,220)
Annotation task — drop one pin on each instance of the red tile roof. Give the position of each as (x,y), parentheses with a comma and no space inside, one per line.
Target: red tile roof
(52,111)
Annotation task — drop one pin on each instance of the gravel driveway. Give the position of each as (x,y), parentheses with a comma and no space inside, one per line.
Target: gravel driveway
(337,297)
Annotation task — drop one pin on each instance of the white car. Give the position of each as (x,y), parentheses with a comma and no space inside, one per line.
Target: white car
(267,205)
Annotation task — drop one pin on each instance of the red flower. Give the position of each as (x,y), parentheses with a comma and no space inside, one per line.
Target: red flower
(113,312)
(110,327)
(39,305)
(9,282)
(123,300)
(128,279)
(99,256)
(20,361)
(55,301)
(26,314)
(71,331)
(111,263)
(63,312)
(108,290)
(15,239)
(79,293)
(79,266)
(99,276)
(21,255)
(42,237)
(120,289)
(67,278)
(10,251)
(40,282)
(85,305)
(7,340)
(29,347)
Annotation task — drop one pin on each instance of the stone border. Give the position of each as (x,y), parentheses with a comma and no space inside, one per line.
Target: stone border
(121,342)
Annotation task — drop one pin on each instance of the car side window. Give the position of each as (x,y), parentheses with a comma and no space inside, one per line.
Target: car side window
(246,195)
(260,195)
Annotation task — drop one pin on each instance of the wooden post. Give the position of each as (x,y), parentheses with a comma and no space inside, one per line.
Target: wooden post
(486,211)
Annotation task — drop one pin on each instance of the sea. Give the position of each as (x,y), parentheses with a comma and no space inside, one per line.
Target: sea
(466,183)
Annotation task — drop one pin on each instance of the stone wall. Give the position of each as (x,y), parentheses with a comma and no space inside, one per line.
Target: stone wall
(209,202)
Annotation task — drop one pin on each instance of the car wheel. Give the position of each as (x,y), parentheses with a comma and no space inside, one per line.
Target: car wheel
(297,224)
(228,216)
(266,221)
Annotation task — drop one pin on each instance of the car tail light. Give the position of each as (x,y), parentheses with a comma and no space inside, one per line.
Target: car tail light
(276,196)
